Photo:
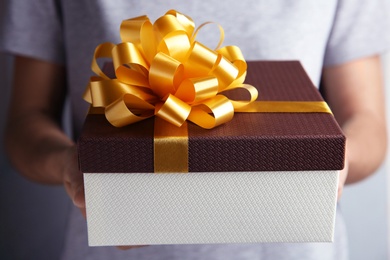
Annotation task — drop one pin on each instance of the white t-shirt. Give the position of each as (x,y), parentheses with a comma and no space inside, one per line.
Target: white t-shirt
(318,33)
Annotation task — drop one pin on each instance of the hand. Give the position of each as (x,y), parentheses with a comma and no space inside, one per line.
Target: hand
(355,93)
(74,184)
(35,142)
(73,179)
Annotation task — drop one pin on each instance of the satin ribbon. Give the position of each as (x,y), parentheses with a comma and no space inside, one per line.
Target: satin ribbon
(161,70)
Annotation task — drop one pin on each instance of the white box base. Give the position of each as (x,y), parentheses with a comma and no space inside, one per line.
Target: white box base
(228,207)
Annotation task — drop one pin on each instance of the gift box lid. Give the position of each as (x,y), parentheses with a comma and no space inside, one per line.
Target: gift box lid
(249,142)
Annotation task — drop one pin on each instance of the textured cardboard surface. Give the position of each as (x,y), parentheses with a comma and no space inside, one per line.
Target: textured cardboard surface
(234,207)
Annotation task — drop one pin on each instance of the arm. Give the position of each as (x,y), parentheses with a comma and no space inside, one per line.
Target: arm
(355,93)
(35,143)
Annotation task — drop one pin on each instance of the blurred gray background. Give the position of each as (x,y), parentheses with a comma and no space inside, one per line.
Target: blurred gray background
(33,217)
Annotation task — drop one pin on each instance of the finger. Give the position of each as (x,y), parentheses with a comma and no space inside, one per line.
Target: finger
(339,193)
(129,247)
(83,212)
(79,195)
(75,190)
(73,179)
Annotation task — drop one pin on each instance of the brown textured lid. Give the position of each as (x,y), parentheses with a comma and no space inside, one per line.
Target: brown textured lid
(250,142)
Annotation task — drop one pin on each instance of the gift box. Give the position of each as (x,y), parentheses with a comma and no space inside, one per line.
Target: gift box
(262,177)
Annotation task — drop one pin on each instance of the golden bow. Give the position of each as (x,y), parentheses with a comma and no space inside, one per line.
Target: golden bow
(162,71)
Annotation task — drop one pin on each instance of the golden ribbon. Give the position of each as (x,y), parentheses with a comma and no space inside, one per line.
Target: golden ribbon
(162,71)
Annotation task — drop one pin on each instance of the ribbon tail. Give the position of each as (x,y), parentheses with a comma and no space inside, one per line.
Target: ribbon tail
(286,107)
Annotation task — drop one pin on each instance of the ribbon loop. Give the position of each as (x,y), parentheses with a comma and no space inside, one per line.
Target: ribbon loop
(174,111)
(176,44)
(102,51)
(200,61)
(118,114)
(195,90)
(221,110)
(187,23)
(165,75)
(129,29)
